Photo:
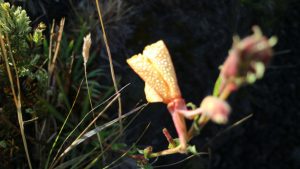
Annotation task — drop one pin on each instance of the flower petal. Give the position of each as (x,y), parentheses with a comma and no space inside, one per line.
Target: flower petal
(144,68)
(151,95)
(155,67)
(159,55)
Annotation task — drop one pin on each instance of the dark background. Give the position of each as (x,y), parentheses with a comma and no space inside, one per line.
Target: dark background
(199,35)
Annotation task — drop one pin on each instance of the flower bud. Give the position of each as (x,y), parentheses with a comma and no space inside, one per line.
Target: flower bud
(247,59)
(216,109)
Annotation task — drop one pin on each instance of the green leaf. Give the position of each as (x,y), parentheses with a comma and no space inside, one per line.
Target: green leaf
(118,146)
(250,78)
(3,144)
(140,151)
(192,149)
(217,86)
(38,36)
(260,70)
(177,143)
(195,123)
(191,105)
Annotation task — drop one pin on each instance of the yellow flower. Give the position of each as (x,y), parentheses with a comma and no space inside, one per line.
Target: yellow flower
(155,67)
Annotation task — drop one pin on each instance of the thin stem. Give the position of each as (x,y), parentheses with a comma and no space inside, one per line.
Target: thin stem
(196,128)
(165,152)
(110,65)
(50,47)
(60,31)
(226,92)
(92,108)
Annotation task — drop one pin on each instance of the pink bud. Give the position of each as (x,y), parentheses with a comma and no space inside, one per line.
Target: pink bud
(247,59)
(230,70)
(216,109)
(256,48)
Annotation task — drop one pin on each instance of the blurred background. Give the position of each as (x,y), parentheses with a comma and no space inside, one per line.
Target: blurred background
(198,35)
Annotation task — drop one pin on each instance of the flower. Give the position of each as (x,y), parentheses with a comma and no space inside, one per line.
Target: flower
(155,67)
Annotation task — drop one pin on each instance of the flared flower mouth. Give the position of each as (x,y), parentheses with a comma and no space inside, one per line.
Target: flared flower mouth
(155,67)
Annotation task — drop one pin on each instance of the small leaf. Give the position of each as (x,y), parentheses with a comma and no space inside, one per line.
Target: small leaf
(251,78)
(196,123)
(3,144)
(177,143)
(29,110)
(217,86)
(147,151)
(192,149)
(260,70)
(191,105)
(133,151)
(118,146)
(140,151)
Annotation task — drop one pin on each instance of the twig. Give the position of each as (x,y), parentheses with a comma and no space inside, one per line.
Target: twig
(58,40)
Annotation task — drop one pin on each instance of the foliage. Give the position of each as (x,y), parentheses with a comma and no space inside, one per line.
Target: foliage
(15,23)
(53,97)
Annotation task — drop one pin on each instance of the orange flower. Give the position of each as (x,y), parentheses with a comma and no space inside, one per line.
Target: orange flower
(155,67)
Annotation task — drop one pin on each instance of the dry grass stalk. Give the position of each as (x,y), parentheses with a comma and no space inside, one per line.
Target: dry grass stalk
(112,71)
(16,95)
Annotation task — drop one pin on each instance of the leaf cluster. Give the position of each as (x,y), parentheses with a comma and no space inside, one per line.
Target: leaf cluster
(14,22)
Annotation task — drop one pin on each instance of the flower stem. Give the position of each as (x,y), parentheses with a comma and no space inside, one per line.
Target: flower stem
(165,152)
(226,92)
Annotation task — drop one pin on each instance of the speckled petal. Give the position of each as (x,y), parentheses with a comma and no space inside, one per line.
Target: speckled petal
(151,95)
(144,68)
(159,55)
